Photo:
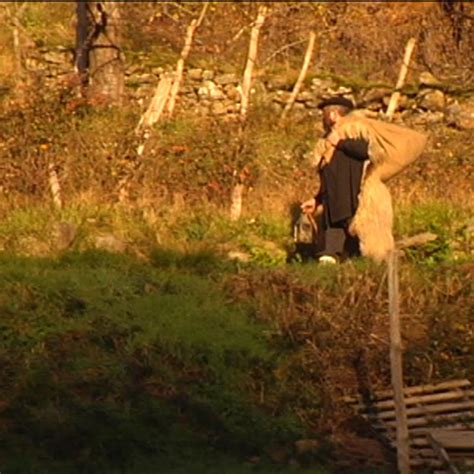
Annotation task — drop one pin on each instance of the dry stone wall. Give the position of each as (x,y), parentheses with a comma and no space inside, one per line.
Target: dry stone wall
(207,92)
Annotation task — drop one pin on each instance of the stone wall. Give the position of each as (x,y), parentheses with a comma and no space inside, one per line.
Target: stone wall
(207,92)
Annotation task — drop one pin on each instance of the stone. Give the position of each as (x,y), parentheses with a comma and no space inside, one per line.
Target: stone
(240,256)
(218,108)
(55,57)
(195,74)
(225,79)
(110,243)
(377,94)
(232,92)
(157,71)
(276,83)
(209,90)
(461,115)
(427,79)
(144,78)
(64,234)
(208,75)
(431,99)
(281,97)
(305,96)
(318,84)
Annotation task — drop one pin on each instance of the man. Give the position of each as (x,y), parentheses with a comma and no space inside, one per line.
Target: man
(340,170)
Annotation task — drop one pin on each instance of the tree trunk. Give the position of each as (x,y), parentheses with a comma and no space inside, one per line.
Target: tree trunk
(184,55)
(20,72)
(302,75)
(393,104)
(83,28)
(106,71)
(251,59)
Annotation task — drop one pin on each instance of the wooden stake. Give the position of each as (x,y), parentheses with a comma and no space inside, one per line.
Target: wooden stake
(251,59)
(54,186)
(301,77)
(236,202)
(403,454)
(393,104)
(184,55)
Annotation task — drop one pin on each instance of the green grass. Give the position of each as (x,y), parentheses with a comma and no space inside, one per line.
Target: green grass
(106,359)
(441,218)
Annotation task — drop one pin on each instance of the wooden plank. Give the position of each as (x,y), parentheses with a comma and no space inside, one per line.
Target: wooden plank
(423,399)
(428,409)
(455,426)
(454,439)
(416,390)
(443,455)
(436,421)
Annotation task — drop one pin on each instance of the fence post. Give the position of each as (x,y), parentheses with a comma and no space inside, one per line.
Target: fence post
(396,365)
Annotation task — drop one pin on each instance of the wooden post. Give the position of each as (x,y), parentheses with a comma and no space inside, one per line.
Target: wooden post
(251,58)
(301,77)
(54,186)
(184,54)
(396,366)
(393,104)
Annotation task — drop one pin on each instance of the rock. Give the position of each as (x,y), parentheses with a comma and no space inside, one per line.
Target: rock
(281,97)
(110,243)
(461,115)
(64,234)
(276,83)
(428,80)
(232,92)
(377,94)
(225,79)
(218,108)
(157,71)
(341,90)
(431,99)
(55,57)
(427,118)
(209,90)
(208,75)
(187,89)
(240,256)
(322,85)
(195,74)
(305,96)
(144,78)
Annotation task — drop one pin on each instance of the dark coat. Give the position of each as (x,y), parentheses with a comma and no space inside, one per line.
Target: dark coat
(340,181)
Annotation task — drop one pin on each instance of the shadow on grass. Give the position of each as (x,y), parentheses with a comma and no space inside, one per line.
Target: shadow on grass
(108,362)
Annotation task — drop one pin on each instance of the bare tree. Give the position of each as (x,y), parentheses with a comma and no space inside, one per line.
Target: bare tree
(99,59)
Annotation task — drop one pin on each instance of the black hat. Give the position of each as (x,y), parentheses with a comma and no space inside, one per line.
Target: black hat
(336,101)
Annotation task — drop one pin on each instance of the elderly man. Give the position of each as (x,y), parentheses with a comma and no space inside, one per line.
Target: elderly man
(340,170)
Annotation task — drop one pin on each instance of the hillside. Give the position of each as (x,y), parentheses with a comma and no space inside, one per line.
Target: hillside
(144,326)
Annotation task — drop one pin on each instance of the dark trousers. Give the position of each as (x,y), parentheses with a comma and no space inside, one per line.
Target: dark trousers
(337,242)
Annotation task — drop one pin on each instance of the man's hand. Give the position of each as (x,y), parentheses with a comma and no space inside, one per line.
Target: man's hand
(309,206)
(333,138)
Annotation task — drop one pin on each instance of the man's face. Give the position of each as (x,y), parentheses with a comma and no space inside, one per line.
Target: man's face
(329,118)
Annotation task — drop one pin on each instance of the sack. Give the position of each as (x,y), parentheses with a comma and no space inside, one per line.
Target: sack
(391,147)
